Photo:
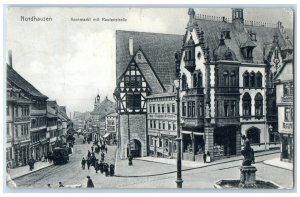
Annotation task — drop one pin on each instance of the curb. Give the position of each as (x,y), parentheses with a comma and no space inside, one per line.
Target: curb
(32,172)
(277,166)
(188,169)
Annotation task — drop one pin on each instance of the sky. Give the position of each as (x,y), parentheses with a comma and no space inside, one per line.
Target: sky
(70,61)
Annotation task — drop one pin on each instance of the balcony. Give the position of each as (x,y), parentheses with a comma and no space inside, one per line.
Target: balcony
(22,119)
(225,90)
(287,99)
(194,91)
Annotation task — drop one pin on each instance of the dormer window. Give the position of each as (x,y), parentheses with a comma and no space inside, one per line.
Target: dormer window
(226,34)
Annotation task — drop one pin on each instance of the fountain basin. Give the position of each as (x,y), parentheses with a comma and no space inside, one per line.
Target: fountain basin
(234,184)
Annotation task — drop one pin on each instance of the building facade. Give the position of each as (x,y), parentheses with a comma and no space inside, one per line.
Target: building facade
(162,125)
(284,82)
(226,68)
(144,67)
(111,127)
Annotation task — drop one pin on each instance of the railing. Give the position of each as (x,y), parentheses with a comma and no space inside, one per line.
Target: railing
(287,99)
(194,91)
(288,125)
(22,119)
(229,20)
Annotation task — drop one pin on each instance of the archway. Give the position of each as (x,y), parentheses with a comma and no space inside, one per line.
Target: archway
(136,148)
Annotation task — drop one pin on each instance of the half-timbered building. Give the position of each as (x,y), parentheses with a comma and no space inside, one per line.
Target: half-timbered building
(145,66)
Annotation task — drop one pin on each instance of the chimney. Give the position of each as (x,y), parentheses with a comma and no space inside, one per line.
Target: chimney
(10,58)
(131,46)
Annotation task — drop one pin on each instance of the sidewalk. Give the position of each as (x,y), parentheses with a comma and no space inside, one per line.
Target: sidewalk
(281,164)
(24,170)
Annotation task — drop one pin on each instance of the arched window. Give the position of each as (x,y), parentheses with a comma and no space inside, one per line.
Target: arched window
(195,81)
(252,79)
(246,79)
(200,80)
(258,106)
(225,78)
(184,82)
(258,80)
(233,79)
(246,104)
(253,135)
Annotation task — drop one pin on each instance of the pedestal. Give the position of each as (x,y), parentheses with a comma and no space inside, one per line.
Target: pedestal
(248,179)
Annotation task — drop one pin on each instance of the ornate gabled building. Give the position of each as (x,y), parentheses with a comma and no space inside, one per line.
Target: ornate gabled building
(145,66)
(226,68)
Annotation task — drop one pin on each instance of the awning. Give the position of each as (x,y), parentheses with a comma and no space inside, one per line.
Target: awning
(106,135)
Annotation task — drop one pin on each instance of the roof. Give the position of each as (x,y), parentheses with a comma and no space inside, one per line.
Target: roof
(105,107)
(112,114)
(158,48)
(165,94)
(264,35)
(22,83)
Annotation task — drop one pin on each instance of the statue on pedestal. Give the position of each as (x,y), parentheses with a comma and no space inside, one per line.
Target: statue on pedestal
(247,152)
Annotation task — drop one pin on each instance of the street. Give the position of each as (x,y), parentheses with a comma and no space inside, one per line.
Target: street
(198,178)
(70,173)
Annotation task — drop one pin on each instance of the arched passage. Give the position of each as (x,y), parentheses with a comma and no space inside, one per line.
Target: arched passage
(136,148)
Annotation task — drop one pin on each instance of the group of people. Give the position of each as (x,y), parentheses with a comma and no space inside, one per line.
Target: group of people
(101,165)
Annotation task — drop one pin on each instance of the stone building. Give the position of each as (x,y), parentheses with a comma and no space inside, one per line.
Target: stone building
(29,118)
(284,81)
(226,68)
(111,127)
(144,66)
(162,124)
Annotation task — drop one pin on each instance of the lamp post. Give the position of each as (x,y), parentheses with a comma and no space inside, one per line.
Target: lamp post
(129,145)
(178,138)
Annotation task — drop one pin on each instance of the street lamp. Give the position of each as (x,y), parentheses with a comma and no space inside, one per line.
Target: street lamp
(178,138)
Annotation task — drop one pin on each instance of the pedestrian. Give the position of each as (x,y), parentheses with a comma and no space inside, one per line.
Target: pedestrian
(92,149)
(112,169)
(96,166)
(105,149)
(208,159)
(106,169)
(90,183)
(60,184)
(89,154)
(83,161)
(102,156)
(88,162)
(48,185)
(101,167)
(31,164)
(204,157)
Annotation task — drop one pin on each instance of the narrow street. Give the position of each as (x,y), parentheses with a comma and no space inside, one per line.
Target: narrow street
(70,173)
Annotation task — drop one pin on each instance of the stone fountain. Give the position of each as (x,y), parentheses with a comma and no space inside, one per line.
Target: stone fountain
(247,174)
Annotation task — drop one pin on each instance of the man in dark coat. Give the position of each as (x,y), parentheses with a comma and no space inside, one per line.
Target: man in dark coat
(102,156)
(106,169)
(88,162)
(89,154)
(83,161)
(90,183)
(96,166)
(112,169)
(101,167)
(92,148)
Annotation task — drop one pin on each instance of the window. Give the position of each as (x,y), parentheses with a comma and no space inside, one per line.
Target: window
(200,109)
(233,79)
(258,105)
(169,126)
(246,79)
(253,36)
(7,110)
(153,108)
(183,108)
(226,108)
(253,135)
(246,104)
(233,108)
(252,79)
(288,114)
(160,142)
(163,125)
(226,34)
(16,130)
(184,82)
(16,111)
(173,107)
(159,125)
(133,101)
(174,126)
(168,108)
(154,124)
(225,78)
(151,125)
(195,80)
(288,89)
(258,80)
(199,80)
(189,109)
(162,108)
(158,108)
(7,130)
(193,109)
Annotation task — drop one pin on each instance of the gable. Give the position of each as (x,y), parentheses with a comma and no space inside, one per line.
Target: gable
(285,73)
